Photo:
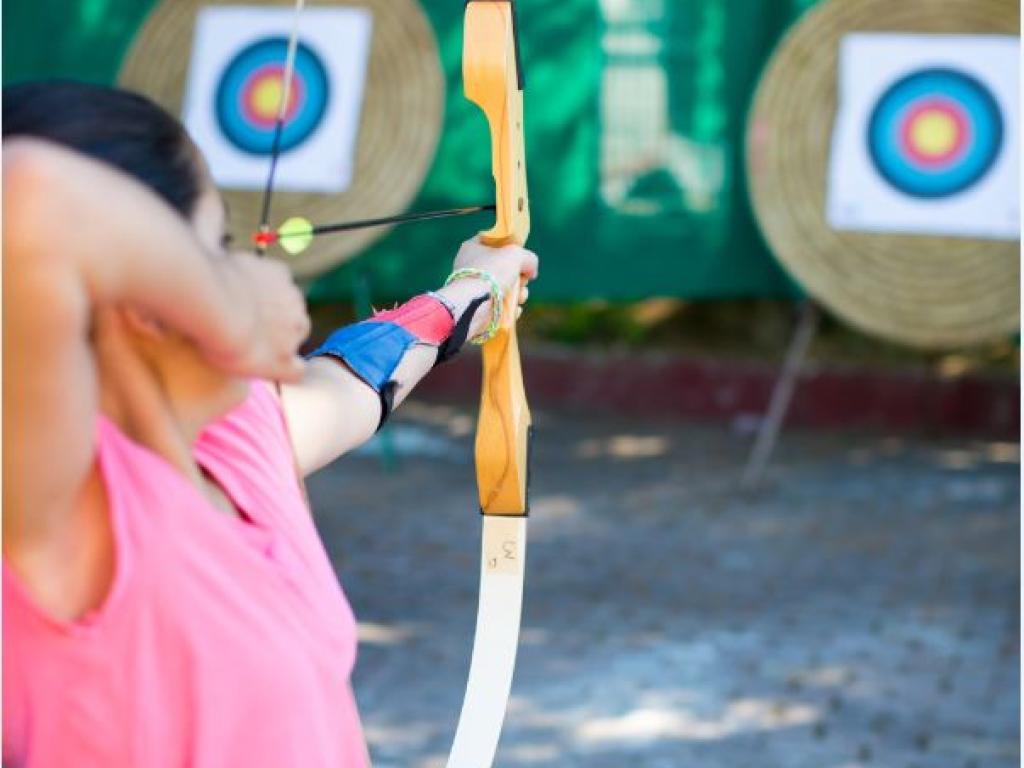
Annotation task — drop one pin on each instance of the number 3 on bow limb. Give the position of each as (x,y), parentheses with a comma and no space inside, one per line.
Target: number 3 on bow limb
(492,78)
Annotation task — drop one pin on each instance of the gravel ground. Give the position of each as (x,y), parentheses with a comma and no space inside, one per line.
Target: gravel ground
(861,610)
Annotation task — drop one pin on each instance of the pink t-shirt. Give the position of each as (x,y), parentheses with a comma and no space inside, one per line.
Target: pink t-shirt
(223,641)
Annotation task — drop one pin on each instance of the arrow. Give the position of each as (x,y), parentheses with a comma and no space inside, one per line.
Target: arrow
(295,234)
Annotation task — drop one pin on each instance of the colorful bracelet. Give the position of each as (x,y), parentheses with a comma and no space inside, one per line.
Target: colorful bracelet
(497,300)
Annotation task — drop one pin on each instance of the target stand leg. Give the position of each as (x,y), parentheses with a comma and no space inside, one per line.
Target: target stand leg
(782,395)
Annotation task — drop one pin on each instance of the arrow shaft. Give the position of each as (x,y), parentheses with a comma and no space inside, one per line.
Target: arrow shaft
(404,218)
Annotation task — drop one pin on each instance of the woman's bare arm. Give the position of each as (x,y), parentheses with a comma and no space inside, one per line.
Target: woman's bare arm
(78,235)
(331,411)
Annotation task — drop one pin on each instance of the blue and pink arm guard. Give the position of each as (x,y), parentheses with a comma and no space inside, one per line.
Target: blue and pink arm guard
(374,348)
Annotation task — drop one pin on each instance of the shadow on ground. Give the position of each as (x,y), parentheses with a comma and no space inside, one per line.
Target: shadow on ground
(861,610)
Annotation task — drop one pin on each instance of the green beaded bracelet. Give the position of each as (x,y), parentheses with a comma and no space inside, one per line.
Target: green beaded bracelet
(497,300)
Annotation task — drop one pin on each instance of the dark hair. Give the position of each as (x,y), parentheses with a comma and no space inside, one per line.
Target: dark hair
(122,129)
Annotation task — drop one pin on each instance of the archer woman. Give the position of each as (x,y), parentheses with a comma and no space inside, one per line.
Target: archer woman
(166,599)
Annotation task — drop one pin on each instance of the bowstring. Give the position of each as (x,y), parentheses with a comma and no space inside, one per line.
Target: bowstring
(268,190)
(282,111)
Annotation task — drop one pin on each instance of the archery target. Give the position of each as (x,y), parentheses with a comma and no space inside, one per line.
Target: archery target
(935,133)
(236,84)
(252,87)
(398,112)
(925,136)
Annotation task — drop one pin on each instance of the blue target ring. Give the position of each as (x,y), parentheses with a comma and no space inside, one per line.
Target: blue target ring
(935,133)
(249,95)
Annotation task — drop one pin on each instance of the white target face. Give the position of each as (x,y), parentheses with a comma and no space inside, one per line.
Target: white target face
(926,136)
(237,80)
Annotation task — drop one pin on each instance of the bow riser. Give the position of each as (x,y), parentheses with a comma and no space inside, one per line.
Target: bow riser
(503,427)
(492,80)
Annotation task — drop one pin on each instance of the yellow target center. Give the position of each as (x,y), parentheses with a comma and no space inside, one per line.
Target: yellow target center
(934,133)
(267,95)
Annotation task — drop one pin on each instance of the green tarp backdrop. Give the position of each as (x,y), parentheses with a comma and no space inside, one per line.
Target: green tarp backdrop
(635,115)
